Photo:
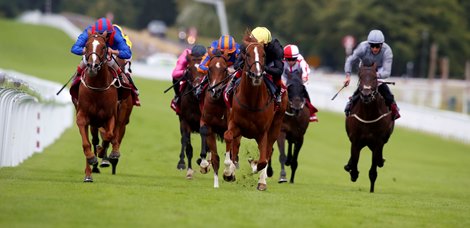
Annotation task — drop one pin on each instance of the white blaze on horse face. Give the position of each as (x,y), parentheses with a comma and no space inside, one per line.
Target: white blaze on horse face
(367,87)
(217,65)
(258,65)
(95,46)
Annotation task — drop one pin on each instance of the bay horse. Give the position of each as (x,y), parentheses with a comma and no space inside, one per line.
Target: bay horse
(190,115)
(253,114)
(125,107)
(370,124)
(215,113)
(294,126)
(97,98)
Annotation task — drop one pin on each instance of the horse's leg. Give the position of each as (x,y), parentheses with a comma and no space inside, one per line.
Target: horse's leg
(262,184)
(351,167)
(82,124)
(263,152)
(95,140)
(204,131)
(103,151)
(281,140)
(181,164)
(295,158)
(108,135)
(376,159)
(230,156)
(215,160)
(289,153)
(189,156)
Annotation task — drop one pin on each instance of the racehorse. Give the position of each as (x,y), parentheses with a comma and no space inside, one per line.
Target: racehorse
(253,115)
(370,124)
(190,115)
(294,126)
(97,98)
(125,106)
(214,113)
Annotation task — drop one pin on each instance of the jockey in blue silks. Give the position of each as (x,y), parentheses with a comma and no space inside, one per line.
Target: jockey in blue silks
(118,44)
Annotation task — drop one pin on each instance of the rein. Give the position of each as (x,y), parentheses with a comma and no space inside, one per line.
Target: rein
(98,88)
(370,121)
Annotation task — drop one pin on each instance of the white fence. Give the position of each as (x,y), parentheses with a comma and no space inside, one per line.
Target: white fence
(29,124)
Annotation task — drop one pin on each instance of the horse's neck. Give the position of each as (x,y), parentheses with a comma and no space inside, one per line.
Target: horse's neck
(253,95)
(103,78)
(374,108)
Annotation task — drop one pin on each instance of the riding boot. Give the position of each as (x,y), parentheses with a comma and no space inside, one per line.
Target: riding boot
(132,82)
(395,110)
(278,96)
(352,100)
(230,86)
(200,87)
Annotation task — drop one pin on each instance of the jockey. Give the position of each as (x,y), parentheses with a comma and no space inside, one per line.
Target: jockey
(118,44)
(296,66)
(376,50)
(196,52)
(225,43)
(273,64)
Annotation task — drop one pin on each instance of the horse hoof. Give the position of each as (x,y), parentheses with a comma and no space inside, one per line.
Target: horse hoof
(105,163)
(354,176)
(100,151)
(381,164)
(92,161)
(189,174)
(88,179)
(181,166)
(282,180)
(95,170)
(229,178)
(114,155)
(262,187)
(347,168)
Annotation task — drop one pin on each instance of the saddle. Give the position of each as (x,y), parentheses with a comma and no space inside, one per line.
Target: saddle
(123,87)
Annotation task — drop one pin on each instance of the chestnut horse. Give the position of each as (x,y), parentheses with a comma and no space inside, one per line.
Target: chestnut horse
(214,113)
(293,128)
(253,114)
(125,106)
(190,115)
(370,124)
(97,98)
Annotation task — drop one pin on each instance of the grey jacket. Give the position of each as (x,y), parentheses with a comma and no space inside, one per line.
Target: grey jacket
(383,59)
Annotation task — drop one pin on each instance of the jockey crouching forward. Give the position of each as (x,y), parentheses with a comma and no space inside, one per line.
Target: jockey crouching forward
(296,66)
(380,53)
(118,45)
(225,44)
(195,55)
(273,64)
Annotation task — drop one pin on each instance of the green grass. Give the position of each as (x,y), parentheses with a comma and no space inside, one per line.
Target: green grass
(425,181)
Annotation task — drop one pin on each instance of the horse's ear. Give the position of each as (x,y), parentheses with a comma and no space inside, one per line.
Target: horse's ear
(105,33)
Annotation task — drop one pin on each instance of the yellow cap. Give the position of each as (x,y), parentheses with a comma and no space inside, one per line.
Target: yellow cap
(262,34)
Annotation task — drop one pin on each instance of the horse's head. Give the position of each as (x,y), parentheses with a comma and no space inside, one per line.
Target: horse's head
(95,52)
(217,73)
(295,90)
(193,76)
(254,57)
(368,82)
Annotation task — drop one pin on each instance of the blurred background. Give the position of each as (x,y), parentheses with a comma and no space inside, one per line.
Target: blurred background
(430,38)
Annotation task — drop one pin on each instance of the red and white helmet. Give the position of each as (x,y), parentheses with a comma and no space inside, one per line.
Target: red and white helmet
(291,51)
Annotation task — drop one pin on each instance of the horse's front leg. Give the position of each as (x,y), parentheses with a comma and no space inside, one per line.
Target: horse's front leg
(230,156)
(351,167)
(295,157)
(205,133)
(181,164)
(95,140)
(90,158)
(376,160)
(263,152)
(281,140)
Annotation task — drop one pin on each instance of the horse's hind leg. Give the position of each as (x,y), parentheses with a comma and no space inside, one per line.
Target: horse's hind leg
(189,156)
(376,160)
(95,143)
(206,144)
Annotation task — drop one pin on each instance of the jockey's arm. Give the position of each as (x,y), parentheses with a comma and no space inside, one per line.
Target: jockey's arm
(386,69)
(79,47)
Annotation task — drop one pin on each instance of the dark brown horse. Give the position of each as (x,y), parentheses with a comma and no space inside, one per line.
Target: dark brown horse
(97,98)
(253,114)
(370,124)
(125,106)
(293,128)
(189,116)
(214,113)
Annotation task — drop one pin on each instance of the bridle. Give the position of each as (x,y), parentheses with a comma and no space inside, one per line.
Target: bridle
(368,92)
(102,59)
(259,72)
